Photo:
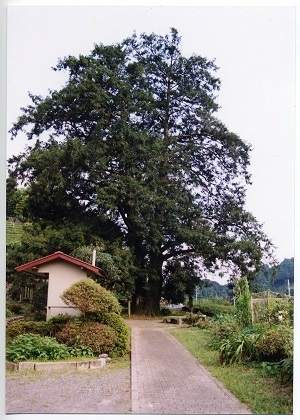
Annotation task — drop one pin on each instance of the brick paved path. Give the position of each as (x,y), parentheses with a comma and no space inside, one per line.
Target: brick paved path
(167,379)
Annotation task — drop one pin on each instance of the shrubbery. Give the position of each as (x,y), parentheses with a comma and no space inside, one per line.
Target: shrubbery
(35,347)
(117,323)
(100,329)
(211,308)
(275,344)
(91,298)
(8,313)
(224,325)
(15,308)
(42,328)
(98,337)
(192,319)
(238,347)
(268,343)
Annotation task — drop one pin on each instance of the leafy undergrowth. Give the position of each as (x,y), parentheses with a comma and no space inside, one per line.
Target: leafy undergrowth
(263,395)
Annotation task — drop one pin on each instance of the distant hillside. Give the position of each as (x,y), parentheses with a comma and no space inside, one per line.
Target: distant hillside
(14,230)
(213,289)
(276,279)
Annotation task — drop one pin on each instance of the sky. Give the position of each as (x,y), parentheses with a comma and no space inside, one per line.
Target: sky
(254,48)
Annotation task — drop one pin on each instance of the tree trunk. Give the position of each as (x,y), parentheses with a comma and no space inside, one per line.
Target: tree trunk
(191,303)
(155,282)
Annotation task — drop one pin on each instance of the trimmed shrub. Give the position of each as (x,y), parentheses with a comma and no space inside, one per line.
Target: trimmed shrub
(210,308)
(90,298)
(34,347)
(42,328)
(98,337)
(58,322)
(117,323)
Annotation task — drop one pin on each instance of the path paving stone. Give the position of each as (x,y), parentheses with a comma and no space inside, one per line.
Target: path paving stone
(167,379)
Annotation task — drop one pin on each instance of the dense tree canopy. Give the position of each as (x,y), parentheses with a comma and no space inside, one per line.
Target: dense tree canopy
(132,142)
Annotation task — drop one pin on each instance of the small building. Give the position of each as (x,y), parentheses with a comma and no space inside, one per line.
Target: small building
(62,271)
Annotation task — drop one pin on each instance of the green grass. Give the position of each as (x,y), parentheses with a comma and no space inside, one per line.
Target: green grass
(261,394)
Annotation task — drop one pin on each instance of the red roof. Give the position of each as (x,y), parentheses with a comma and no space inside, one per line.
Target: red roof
(29,267)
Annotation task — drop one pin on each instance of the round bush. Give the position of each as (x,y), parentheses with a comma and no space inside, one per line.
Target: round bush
(98,337)
(117,323)
(275,344)
(34,347)
(90,298)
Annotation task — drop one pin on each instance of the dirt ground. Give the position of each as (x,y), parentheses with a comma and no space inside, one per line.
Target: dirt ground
(103,391)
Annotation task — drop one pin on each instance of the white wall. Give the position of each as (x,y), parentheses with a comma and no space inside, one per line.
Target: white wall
(62,275)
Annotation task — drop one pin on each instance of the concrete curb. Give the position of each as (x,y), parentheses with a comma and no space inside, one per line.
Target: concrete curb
(50,366)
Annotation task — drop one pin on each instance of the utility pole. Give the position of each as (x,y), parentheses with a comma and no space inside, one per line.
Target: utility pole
(289,290)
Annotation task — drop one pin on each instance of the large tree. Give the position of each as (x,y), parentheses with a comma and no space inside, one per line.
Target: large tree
(133,139)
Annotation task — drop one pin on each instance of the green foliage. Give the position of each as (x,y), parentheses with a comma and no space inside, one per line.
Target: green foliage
(276,277)
(243,302)
(165,311)
(280,311)
(90,298)
(57,322)
(283,370)
(117,265)
(94,335)
(117,323)
(238,347)
(213,288)
(224,325)
(252,344)
(8,313)
(145,160)
(192,319)
(14,230)
(248,382)
(33,346)
(286,370)
(16,308)
(41,328)
(275,344)
(16,205)
(210,308)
